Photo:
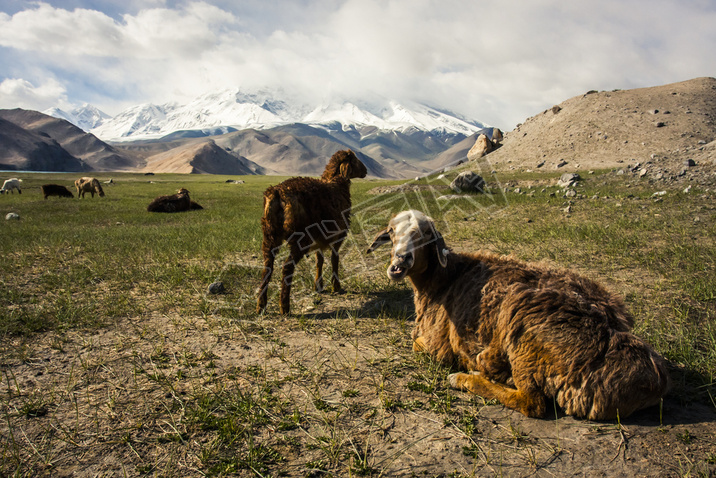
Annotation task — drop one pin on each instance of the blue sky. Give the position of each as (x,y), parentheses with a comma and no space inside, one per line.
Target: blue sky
(496,62)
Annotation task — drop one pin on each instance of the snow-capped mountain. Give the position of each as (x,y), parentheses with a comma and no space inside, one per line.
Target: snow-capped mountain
(85,117)
(215,112)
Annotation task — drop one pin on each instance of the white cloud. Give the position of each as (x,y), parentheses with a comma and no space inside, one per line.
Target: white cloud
(19,93)
(496,62)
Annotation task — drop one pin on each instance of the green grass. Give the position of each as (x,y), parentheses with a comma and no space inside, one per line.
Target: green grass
(165,390)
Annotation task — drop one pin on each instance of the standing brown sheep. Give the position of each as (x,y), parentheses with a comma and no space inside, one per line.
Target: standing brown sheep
(310,214)
(527,334)
(88,185)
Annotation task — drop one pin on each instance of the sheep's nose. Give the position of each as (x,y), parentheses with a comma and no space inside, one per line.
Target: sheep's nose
(404,257)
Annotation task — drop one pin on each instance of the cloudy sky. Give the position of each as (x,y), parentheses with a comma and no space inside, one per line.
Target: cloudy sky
(498,62)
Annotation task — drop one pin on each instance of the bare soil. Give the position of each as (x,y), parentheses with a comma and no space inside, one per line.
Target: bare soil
(124,401)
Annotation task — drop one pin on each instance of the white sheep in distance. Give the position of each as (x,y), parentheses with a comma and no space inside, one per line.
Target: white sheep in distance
(527,334)
(10,184)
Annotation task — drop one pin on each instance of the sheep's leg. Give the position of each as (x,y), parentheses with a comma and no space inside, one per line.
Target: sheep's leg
(531,403)
(494,364)
(319,271)
(287,278)
(419,345)
(269,258)
(335,260)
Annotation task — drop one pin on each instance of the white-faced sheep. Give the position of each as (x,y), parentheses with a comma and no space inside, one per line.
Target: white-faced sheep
(88,185)
(527,334)
(310,214)
(10,184)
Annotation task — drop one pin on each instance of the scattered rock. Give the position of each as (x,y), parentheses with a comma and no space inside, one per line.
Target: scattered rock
(659,193)
(660,124)
(689,163)
(12,216)
(570,193)
(216,288)
(567,180)
(468,181)
(561,164)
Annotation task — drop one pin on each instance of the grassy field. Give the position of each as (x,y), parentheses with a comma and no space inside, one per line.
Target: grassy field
(115,361)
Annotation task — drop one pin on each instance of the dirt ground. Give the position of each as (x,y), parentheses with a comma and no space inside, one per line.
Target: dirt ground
(122,401)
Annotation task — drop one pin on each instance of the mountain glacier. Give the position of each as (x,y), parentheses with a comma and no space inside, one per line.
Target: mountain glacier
(214,113)
(85,117)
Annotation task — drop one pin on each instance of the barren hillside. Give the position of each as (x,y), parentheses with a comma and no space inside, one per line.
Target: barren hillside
(665,125)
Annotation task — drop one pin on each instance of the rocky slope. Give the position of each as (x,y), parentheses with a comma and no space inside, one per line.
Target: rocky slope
(660,128)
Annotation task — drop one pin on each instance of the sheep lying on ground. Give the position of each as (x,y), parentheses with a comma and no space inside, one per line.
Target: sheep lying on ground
(174,203)
(55,190)
(310,214)
(526,333)
(88,185)
(10,184)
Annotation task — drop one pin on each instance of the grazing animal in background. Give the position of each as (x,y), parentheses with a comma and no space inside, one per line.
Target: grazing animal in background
(55,190)
(178,202)
(309,214)
(10,184)
(88,185)
(526,333)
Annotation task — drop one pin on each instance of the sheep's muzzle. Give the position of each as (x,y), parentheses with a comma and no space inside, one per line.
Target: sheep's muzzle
(399,266)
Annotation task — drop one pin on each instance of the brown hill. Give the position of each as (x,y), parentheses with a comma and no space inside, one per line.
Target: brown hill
(23,150)
(293,150)
(663,125)
(200,157)
(96,154)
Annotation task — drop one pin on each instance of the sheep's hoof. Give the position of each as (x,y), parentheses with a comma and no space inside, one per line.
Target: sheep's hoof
(419,345)
(454,379)
(339,291)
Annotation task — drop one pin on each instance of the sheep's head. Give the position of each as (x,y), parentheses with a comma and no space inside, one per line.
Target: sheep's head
(345,164)
(183,192)
(415,242)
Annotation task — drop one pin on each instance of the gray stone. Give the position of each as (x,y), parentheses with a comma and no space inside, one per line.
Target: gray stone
(217,288)
(568,180)
(12,216)
(468,181)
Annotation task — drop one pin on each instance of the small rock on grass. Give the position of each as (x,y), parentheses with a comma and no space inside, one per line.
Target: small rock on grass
(217,288)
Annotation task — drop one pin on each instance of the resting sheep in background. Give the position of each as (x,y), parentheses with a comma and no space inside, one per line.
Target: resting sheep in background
(55,190)
(178,202)
(88,185)
(526,333)
(310,214)
(10,184)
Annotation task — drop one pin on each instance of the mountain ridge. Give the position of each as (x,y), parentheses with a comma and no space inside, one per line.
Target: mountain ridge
(236,109)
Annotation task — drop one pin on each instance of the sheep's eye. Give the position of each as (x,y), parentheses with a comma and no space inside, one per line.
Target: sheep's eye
(390,231)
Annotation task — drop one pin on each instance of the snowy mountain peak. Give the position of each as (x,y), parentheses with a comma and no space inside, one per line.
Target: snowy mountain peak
(85,117)
(262,109)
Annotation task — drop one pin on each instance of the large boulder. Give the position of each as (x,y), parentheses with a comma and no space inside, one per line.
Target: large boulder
(468,182)
(482,146)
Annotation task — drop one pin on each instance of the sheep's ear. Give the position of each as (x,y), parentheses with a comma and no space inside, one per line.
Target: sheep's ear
(383,237)
(345,170)
(441,249)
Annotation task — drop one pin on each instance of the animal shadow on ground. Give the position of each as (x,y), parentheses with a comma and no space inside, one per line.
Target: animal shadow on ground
(397,304)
